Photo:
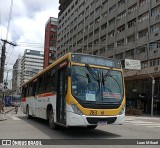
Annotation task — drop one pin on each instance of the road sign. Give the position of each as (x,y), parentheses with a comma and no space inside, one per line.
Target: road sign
(132,64)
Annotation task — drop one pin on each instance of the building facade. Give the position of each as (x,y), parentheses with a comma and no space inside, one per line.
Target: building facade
(117,29)
(16,76)
(50,41)
(32,63)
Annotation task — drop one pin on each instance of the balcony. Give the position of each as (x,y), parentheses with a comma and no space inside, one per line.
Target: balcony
(142,25)
(131,2)
(143,8)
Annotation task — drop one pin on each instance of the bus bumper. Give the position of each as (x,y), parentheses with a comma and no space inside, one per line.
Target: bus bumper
(83,120)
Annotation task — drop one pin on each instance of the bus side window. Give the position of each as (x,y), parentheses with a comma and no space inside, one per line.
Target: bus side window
(34,85)
(50,76)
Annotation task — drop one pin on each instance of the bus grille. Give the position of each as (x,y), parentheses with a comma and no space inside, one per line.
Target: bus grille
(109,120)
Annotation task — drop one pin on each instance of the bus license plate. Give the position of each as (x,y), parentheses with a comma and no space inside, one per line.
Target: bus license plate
(102,122)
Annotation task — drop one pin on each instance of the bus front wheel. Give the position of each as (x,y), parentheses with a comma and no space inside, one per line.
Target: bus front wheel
(51,120)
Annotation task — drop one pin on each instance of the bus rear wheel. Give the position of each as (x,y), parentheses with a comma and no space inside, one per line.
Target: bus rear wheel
(92,126)
(52,124)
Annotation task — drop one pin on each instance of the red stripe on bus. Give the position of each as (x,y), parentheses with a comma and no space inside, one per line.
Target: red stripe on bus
(46,95)
(23,99)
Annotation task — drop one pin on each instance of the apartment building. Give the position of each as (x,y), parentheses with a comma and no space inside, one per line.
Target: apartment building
(50,41)
(117,29)
(16,76)
(32,63)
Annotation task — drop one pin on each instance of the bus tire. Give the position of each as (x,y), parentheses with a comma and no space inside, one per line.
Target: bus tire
(92,126)
(27,112)
(52,124)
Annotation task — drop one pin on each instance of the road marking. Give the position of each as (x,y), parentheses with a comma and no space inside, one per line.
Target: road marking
(15,118)
(138,122)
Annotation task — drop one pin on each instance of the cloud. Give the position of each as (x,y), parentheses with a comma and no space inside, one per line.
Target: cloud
(27,25)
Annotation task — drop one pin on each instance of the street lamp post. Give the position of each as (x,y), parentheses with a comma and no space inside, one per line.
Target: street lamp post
(153,83)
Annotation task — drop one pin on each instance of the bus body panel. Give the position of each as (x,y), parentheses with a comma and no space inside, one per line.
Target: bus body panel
(38,105)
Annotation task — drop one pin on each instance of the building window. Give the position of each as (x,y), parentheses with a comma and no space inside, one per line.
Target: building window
(155,11)
(121,2)
(121,29)
(144,64)
(131,39)
(154,45)
(121,15)
(96,41)
(130,53)
(98,9)
(155,28)
(111,34)
(103,38)
(143,17)
(92,14)
(110,46)
(113,8)
(95,52)
(131,23)
(143,2)
(143,33)
(104,14)
(119,56)
(96,31)
(132,8)
(102,50)
(104,26)
(104,2)
(120,43)
(112,21)
(97,20)
(141,49)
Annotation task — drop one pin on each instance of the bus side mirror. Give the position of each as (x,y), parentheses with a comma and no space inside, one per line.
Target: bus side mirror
(68,71)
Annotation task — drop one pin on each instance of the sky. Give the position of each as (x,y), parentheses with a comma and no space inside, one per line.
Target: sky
(26,26)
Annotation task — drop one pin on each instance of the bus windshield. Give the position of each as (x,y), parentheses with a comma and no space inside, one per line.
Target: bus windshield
(96,84)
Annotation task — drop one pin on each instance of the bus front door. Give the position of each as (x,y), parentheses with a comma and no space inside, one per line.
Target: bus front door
(61,95)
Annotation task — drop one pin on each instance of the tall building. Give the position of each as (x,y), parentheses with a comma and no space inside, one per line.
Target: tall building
(16,76)
(50,41)
(117,29)
(32,63)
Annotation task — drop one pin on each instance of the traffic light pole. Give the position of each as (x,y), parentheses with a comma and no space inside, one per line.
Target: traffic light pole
(153,83)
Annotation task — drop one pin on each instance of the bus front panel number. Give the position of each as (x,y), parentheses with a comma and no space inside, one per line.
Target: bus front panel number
(93,112)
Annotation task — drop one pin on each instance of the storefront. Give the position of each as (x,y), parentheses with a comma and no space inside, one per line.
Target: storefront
(139,94)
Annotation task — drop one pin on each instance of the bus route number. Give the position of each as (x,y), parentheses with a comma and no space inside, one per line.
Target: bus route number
(93,112)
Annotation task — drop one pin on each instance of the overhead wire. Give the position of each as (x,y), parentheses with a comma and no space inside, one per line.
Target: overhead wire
(9,20)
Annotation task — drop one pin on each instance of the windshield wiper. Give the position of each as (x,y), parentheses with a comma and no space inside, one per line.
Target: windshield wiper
(105,77)
(94,75)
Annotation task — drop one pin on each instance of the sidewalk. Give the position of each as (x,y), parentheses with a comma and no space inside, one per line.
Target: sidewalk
(6,110)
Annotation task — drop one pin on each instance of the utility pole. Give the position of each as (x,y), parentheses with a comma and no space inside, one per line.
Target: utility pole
(3,57)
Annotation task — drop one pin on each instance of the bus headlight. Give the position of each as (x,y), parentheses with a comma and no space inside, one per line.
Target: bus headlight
(76,109)
(122,110)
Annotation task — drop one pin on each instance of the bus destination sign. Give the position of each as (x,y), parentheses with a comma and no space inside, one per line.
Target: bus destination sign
(95,60)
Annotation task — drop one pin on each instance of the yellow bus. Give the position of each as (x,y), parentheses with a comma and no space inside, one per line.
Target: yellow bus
(77,90)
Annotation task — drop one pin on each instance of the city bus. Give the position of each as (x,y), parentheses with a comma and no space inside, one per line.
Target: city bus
(77,90)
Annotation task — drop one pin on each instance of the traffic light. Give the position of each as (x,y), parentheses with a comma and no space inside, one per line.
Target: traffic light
(123,64)
(5,85)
